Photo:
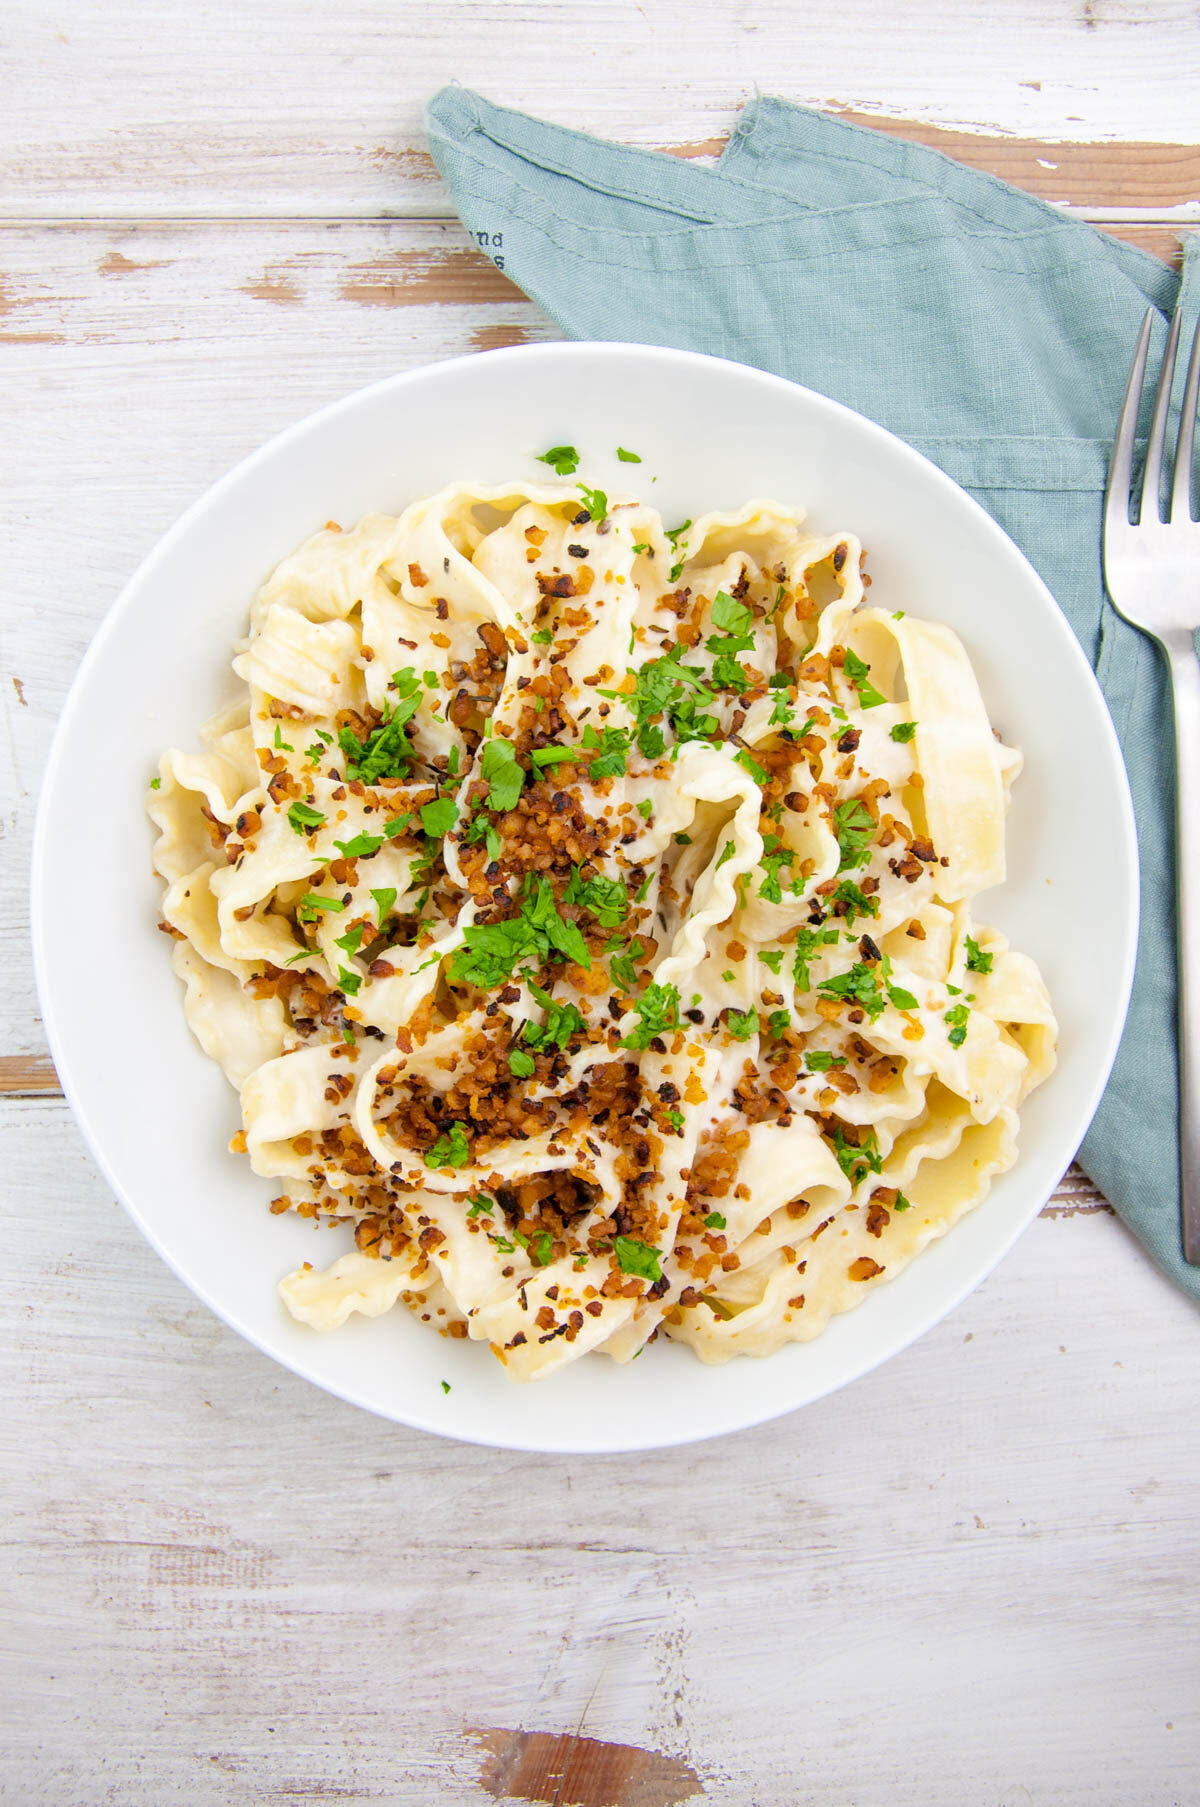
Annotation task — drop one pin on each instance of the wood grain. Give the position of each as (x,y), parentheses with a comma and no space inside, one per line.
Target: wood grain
(968,1577)
(279,106)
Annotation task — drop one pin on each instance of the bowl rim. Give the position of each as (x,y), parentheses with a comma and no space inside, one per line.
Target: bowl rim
(550,352)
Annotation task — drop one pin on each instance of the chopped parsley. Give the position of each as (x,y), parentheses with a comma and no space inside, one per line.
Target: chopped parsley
(854,826)
(439,817)
(493,950)
(351,941)
(820,1060)
(398,825)
(772,957)
(542,635)
(859,674)
(452,762)
(310,906)
(564,460)
(778,1023)
(506,779)
(605,897)
(855,903)
(156,784)
(385,897)
(609,748)
(658,1010)
(737,618)
(595,501)
(857,1159)
(807,943)
(450,1150)
(956,1022)
(360,846)
(645,808)
(563,1022)
(622,965)
(748,763)
(903,731)
(543,756)
(627,457)
(714,1221)
(349,982)
(281,743)
(303,817)
(520,1064)
(742,1024)
(387,750)
(481,1205)
(542,1252)
(977,960)
(634,1257)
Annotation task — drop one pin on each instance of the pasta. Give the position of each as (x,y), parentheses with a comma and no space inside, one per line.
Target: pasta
(582,911)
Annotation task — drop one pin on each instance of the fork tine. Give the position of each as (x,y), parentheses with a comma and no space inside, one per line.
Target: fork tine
(1181,488)
(1151,509)
(1120,469)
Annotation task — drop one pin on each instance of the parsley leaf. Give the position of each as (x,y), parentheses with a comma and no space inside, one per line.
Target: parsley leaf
(304,817)
(742,1024)
(859,986)
(748,763)
(439,817)
(819,1060)
(493,950)
(807,943)
(658,1009)
(735,617)
(606,898)
(859,674)
(543,756)
(854,826)
(595,501)
(309,907)
(609,747)
(348,981)
(452,1150)
(857,1159)
(520,1064)
(956,1022)
(634,1257)
(385,897)
(387,750)
(360,846)
(627,457)
(398,825)
(977,960)
(506,779)
(714,1221)
(855,903)
(772,957)
(903,1000)
(903,731)
(563,458)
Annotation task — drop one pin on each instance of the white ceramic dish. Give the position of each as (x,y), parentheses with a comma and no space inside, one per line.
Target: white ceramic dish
(159,1115)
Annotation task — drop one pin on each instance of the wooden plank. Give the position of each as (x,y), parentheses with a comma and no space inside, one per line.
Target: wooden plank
(178,349)
(277,106)
(221,1585)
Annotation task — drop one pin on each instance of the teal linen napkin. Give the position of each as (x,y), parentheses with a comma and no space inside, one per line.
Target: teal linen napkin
(987,329)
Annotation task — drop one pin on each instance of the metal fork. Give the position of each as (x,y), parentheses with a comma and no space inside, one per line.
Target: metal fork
(1152,571)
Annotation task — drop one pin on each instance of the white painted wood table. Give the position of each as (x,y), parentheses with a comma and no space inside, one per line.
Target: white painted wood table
(970,1578)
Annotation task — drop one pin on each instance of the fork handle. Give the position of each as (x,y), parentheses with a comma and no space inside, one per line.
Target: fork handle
(1185,679)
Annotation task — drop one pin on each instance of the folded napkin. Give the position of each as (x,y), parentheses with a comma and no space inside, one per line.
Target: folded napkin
(987,329)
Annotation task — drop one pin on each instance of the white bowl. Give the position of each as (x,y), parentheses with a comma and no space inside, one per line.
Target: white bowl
(159,1115)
